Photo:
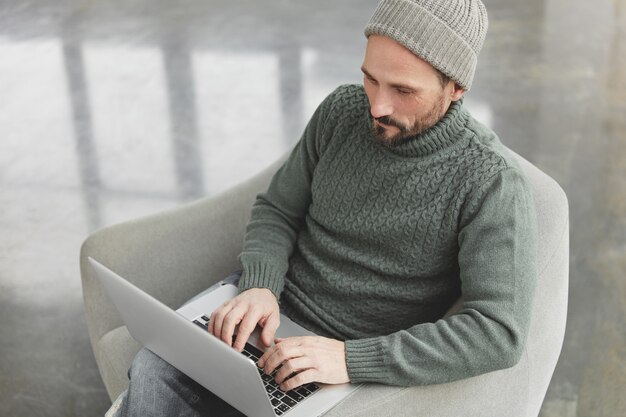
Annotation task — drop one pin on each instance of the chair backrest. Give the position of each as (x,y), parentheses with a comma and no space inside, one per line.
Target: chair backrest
(549,313)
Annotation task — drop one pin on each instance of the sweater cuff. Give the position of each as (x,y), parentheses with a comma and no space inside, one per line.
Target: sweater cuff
(365,360)
(261,273)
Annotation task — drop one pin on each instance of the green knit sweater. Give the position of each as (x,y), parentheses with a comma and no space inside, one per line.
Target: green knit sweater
(371,245)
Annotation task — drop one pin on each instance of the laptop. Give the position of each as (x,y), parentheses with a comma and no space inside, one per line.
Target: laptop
(181,338)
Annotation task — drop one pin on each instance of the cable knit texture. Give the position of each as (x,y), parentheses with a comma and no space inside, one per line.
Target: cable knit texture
(371,244)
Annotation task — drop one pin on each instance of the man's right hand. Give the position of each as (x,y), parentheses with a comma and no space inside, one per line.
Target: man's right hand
(251,307)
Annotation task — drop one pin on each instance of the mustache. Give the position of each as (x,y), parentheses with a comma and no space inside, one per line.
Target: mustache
(389,121)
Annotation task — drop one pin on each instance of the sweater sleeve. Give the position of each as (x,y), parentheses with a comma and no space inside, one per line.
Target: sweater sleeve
(497,262)
(279,213)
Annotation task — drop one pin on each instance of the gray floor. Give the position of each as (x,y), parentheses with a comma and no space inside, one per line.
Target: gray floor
(115,109)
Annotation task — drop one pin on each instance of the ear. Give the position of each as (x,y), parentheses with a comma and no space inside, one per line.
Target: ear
(457,92)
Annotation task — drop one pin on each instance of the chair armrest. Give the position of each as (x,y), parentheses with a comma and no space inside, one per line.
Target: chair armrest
(171,255)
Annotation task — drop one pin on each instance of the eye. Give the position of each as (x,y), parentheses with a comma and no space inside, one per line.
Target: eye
(404,92)
(371,80)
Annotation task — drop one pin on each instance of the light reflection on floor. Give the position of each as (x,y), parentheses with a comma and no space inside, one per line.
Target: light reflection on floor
(114,110)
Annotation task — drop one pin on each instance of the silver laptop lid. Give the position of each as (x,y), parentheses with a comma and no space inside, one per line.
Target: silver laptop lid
(195,352)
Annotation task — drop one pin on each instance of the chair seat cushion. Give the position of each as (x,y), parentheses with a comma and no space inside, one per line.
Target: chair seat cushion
(116,350)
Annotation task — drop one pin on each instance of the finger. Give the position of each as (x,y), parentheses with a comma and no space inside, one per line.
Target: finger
(269,329)
(304,377)
(291,367)
(281,353)
(268,353)
(217,317)
(263,358)
(245,329)
(232,319)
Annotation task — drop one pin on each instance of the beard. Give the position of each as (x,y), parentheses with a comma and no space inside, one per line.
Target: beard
(407,133)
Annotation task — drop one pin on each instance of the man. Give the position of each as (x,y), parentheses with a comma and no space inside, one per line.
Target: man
(394,203)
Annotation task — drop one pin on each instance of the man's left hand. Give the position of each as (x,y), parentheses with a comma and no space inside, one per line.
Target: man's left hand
(310,358)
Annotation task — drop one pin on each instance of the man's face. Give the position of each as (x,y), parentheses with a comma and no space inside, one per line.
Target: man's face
(404,91)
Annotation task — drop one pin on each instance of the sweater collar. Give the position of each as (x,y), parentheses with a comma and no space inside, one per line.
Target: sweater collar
(440,136)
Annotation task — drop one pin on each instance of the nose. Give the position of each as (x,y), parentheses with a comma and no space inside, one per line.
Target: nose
(381,105)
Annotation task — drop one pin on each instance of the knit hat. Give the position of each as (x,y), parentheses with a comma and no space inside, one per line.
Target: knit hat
(448,34)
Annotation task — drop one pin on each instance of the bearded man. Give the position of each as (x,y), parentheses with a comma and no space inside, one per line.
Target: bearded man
(394,203)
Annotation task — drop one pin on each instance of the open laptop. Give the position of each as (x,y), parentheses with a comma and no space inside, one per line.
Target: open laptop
(181,338)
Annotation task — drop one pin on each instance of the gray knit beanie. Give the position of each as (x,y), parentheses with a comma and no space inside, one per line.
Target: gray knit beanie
(448,34)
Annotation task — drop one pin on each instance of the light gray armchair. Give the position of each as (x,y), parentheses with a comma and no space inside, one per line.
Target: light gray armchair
(176,254)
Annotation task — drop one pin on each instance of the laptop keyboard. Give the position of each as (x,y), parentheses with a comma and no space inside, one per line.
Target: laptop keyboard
(281,400)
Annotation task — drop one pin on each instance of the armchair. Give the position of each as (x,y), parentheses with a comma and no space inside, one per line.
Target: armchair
(176,254)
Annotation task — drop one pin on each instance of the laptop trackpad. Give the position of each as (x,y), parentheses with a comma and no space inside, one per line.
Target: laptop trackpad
(206,303)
